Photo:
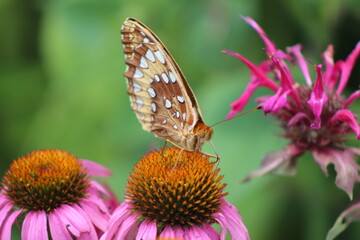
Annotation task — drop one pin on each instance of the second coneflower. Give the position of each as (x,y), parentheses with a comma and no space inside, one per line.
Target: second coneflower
(175,194)
(51,194)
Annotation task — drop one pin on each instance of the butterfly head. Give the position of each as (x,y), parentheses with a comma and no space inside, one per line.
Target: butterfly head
(200,134)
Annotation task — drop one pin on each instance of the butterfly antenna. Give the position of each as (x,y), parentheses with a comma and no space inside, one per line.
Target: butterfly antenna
(239,115)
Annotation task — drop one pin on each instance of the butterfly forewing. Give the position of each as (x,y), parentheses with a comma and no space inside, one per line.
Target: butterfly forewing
(160,96)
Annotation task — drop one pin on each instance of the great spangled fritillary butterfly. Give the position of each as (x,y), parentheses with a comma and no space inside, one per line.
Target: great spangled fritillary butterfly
(159,93)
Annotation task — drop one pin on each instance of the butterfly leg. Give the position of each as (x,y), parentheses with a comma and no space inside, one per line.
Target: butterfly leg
(189,150)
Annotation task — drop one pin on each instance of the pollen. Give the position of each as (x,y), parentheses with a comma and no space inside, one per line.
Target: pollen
(45,179)
(175,187)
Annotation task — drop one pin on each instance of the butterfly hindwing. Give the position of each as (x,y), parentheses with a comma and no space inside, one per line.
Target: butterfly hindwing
(159,93)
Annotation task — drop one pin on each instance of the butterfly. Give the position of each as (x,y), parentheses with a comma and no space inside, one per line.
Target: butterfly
(159,93)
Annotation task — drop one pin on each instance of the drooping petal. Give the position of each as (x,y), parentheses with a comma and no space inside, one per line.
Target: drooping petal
(235,224)
(99,188)
(58,230)
(355,95)
(94,169)
(287,83)
(5,233)
(347,68)
(342,222)
(296,50)
(167,233)
(335,76)
(75,221)
(98,217)
(239,104)
(91,234)
(318,99)
(35,226)
(196,232)
(347,116)
(270,46)
(210,231)
(281,162)
(297,118)
(147,230)
(258,78)
(344,163)
(276,102)
(328,59)
(4,211)
(220,219)
(261,77)
(126,227)
(3,200)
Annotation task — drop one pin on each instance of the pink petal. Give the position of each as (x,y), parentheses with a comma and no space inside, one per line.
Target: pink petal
(257,72)
(328,58)
(94,169)
(277,102)
(196,233)
(147,230)
(235,224)
(75,222)
(355,95)
(99,188)
(220,218)
(296,50)
(35,226)
(270,46)
(121,212)
(179,233)
(239,104)
(334,76)
(3,200)
(91,234)
(286,81)
(167,233)
(347,116)
(345,166)
(318,99)
(297,118)
(57,229)
(210,231)
(126,226)
(4,211)
(97,217)
(5,233)
(347,68)
(281,162)
(342,222)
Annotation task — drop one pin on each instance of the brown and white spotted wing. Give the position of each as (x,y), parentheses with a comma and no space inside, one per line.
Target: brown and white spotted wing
(160,96)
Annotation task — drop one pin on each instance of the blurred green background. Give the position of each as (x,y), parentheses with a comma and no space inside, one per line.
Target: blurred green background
(61,86)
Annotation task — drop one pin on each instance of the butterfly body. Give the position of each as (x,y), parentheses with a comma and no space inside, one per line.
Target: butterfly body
(159,93)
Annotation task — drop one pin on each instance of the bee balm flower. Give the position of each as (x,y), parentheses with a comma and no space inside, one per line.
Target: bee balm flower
(315,116)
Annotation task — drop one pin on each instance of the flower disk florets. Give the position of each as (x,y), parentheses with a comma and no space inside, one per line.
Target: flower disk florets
(175,188)
(45,179)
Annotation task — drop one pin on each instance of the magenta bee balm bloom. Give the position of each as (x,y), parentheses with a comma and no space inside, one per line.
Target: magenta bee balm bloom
(51,194)
(315,115)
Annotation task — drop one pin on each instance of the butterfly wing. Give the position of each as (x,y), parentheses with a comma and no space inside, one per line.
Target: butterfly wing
(159,93)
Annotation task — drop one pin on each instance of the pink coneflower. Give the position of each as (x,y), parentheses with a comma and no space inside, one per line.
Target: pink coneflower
(174,194)
(315,116)
(51,193)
